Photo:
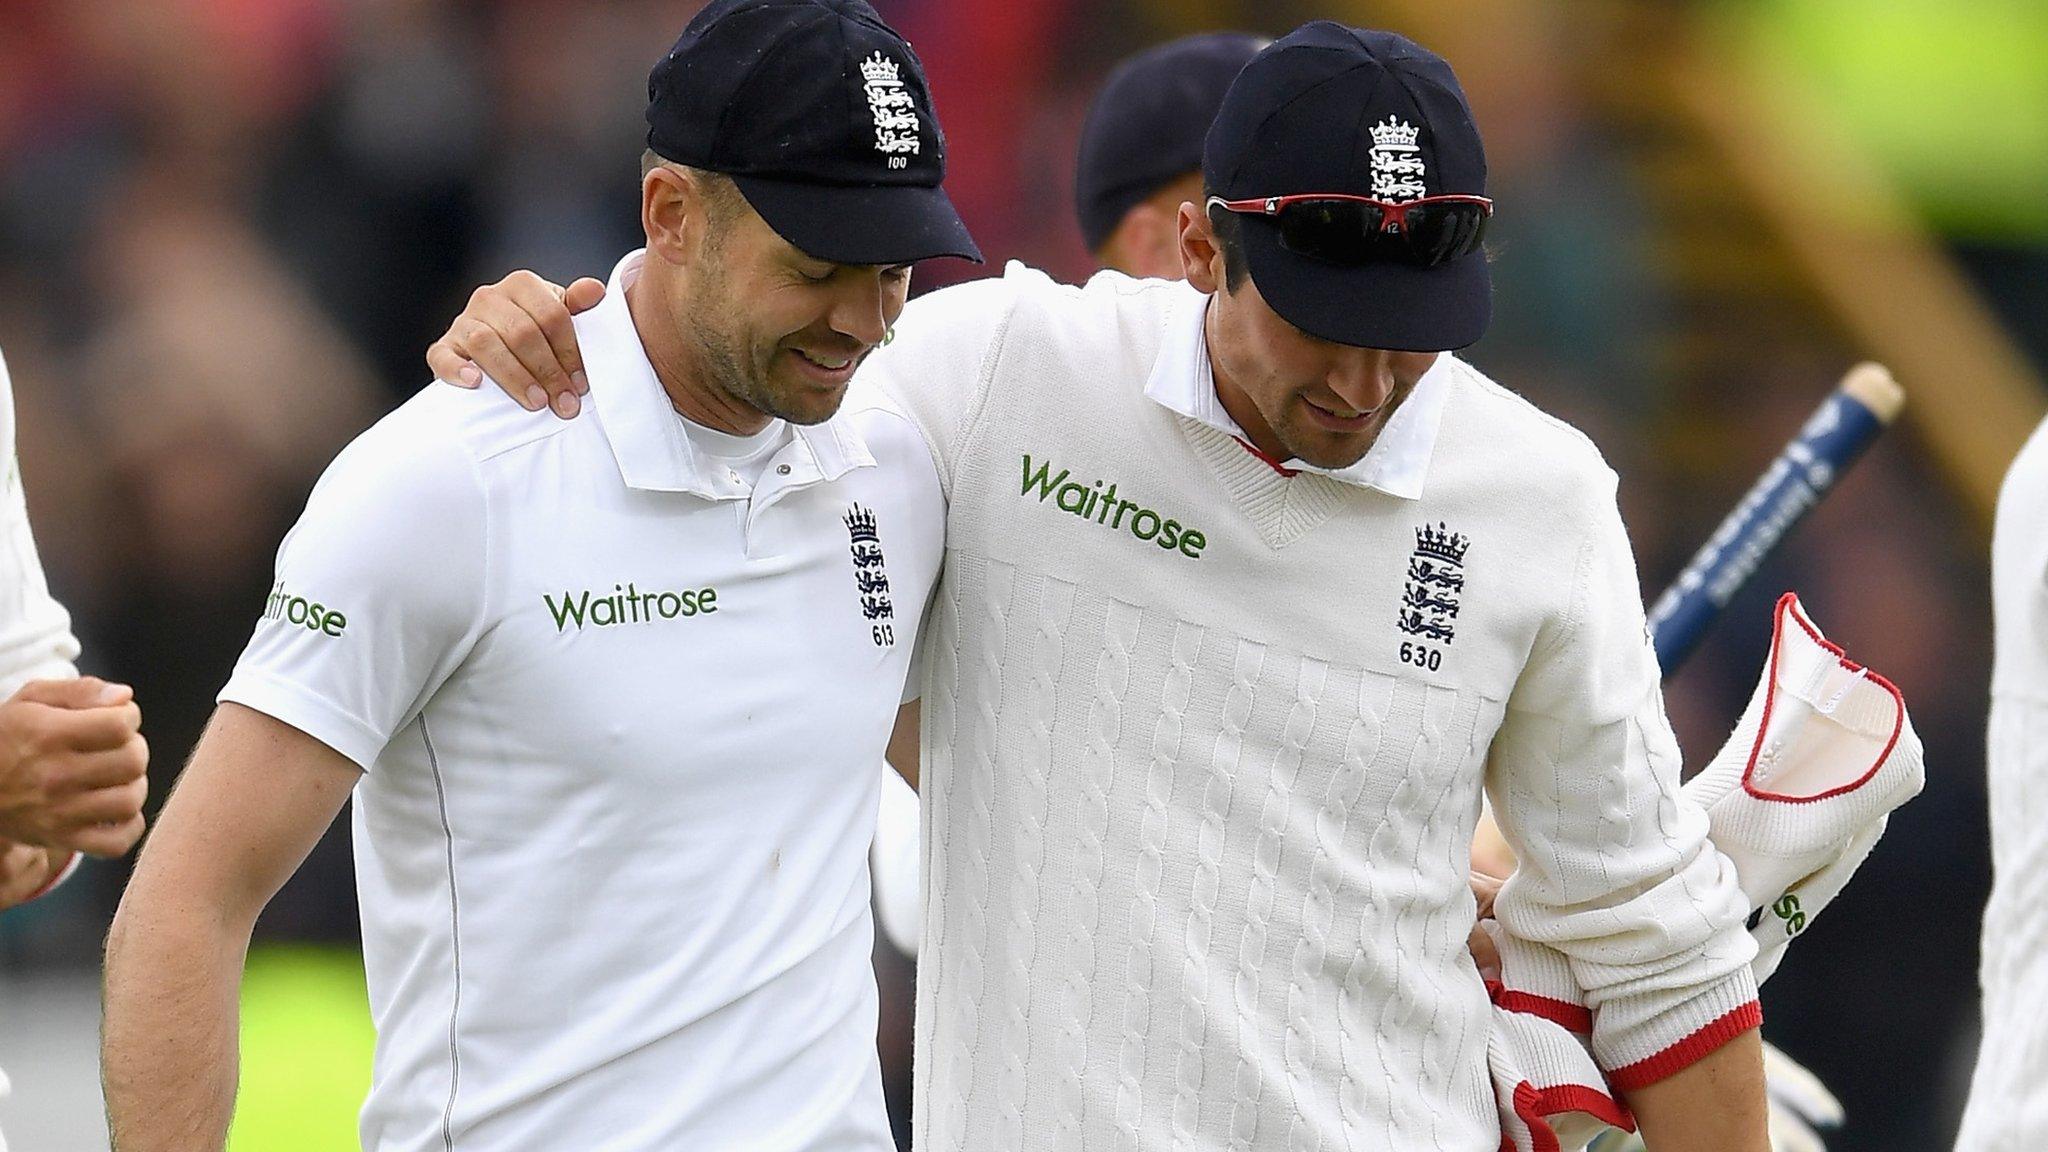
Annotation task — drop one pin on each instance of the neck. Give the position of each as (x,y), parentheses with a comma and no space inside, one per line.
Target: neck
(1235,401)
(679,362)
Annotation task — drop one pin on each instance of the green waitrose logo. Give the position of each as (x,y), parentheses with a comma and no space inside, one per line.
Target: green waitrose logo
(292,608)
(1099,505)
(628,605)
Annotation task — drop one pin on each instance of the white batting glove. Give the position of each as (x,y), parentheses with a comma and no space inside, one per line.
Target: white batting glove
(1800,1106)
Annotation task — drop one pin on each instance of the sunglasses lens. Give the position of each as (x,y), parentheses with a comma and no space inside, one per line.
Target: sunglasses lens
(1438,233)
(1356,232)
(1334,231)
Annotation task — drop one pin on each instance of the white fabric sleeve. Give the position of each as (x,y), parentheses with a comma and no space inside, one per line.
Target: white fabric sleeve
(379,590)
(940,358)
(896,860)
(35,631)
(1616,871)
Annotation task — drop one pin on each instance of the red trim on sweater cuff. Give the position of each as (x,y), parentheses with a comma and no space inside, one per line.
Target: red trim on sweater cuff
(63,874)
(1563,1013)
(1533,1106)
(1688,1051)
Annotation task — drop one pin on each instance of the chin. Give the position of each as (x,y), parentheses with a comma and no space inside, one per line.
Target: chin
(810,406)
(1324,452)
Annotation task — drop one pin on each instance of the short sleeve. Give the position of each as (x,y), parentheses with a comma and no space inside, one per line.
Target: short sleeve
(378,593)
(939,358)
(35,631)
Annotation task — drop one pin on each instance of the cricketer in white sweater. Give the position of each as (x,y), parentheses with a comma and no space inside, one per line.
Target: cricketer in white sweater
(1205,739)
(2008,1110)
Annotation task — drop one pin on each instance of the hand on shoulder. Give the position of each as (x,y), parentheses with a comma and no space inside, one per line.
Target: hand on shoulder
(518,332)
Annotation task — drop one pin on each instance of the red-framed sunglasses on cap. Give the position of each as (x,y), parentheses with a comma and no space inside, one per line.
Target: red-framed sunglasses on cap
(1340,228)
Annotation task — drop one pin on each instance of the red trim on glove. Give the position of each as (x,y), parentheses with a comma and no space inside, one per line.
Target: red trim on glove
(1563,1013)
(1688,1051)
(71,863)
(1786,604)
(1533,1106)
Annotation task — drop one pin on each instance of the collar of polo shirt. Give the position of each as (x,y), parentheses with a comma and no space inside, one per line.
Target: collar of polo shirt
(645,431)
(1398,461)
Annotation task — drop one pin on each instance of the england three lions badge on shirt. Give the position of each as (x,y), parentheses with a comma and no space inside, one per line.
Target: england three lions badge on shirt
(1429,600)
(871,575)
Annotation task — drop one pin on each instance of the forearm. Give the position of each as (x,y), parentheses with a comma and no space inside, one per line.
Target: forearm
(1715,1104)
(169,1052)
(168,1047)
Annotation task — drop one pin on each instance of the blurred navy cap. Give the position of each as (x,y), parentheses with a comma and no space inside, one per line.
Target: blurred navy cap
(1146,126)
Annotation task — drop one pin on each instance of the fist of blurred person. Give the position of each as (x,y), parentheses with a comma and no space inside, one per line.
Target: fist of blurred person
(72,771)
(26,872)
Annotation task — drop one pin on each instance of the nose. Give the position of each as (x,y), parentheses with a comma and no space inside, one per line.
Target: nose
(860,309)
(1363,378)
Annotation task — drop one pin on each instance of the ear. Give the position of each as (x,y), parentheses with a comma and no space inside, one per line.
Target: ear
(672,213)
(1201,259)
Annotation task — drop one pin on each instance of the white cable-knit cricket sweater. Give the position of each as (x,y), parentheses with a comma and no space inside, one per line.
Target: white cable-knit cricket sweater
(2008,1112)
(1204,749)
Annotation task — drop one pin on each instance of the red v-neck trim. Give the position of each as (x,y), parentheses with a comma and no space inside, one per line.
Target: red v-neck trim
(1275,465)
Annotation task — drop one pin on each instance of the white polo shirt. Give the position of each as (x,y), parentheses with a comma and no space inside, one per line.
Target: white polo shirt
(620,725)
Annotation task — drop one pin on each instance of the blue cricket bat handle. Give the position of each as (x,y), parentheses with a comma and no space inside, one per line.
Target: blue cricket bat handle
(1845,424)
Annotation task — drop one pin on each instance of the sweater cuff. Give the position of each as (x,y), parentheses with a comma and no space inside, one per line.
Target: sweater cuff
(1682,1036)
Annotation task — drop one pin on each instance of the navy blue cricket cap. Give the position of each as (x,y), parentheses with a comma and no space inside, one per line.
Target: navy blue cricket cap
(1329,108)
(1145,129)
(820,113)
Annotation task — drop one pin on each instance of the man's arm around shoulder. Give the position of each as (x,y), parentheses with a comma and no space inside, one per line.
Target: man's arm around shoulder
(169,1059)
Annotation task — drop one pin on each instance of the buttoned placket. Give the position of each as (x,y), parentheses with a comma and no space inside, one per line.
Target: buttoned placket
(792,469)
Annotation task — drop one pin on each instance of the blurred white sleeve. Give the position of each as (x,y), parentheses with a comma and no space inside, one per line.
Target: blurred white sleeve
(35,631)
(895,861)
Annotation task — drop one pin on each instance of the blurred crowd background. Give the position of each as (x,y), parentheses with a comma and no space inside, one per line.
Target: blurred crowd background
(229,228)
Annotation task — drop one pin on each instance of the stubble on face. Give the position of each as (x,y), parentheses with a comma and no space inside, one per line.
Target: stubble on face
(1260,361)
(1322,447)
(740,362)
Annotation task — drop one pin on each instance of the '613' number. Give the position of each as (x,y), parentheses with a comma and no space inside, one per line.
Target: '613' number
(1422,656)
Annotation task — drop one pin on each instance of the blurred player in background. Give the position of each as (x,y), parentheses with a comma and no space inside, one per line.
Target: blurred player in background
(73,764)
(1202,763)
(608,694)
(1140,155)
(2008,1106)
(72,757)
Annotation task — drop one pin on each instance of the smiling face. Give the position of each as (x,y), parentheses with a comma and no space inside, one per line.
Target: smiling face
(759,329)
(1295,395)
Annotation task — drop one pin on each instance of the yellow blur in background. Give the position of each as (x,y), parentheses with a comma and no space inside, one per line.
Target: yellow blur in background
(306,1050)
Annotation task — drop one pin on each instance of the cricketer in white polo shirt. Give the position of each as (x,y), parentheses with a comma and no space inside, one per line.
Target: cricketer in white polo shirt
(610,695)
(619,719)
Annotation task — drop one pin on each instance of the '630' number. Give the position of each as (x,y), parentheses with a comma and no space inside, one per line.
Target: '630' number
(1422,656)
